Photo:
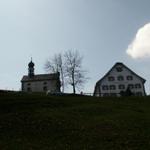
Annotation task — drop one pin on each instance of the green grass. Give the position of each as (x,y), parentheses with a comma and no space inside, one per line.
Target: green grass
(39,122)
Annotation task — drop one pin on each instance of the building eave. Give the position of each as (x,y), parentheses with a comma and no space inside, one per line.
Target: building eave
(40,77)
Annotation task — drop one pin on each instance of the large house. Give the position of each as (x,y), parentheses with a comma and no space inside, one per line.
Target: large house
(40,82)
(118,81)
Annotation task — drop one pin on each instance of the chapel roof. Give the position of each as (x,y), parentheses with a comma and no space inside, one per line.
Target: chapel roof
(40,77)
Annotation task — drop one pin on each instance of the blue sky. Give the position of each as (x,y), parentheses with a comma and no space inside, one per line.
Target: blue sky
(101,30)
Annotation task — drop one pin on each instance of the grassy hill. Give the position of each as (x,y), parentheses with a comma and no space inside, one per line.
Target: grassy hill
(39,122)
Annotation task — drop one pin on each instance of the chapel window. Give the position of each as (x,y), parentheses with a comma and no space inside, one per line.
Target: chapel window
(45,83)
(45,88)
(29,89)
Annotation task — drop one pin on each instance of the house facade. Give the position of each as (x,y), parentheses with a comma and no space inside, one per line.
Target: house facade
(118,80)
(40,82)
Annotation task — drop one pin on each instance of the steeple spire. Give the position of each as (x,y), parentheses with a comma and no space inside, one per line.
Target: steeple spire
(31,68)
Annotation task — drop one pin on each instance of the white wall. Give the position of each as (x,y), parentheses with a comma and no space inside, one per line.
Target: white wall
(37,86)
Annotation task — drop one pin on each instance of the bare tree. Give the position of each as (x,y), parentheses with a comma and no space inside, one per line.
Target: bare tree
(75,75)
(54,65)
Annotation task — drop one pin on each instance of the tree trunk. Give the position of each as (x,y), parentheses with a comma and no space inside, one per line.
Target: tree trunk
(62,80)
(73,84)
(74,89)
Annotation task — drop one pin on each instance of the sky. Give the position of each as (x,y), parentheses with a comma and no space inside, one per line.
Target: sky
(103,31)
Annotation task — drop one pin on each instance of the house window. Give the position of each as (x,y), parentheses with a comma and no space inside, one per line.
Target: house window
(129,78)
(106,94)
(139,94)
(112,87)
(119,69)
(131,86)
(113,94)
(29,84)
(121,86)
(120,78)
(105,87)
(111,78)
(45,88)
(137,86)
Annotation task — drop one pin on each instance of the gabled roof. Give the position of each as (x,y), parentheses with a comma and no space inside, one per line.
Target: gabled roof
(41,77)
(120,63)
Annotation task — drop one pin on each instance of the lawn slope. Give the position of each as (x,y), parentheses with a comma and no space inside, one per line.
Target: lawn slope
(39,122)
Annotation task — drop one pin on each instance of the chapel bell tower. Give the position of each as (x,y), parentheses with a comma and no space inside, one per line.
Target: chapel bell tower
(31,69)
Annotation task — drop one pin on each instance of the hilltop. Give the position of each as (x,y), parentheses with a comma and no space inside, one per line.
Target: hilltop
(40,122)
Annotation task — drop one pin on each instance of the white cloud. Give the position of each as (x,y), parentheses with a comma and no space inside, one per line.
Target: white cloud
(140,47)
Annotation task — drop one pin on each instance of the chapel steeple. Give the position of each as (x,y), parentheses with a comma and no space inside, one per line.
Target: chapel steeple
(31,69)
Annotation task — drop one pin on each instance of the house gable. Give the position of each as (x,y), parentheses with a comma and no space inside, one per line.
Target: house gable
(118,79)
(114,69)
